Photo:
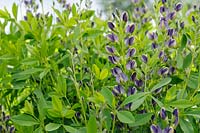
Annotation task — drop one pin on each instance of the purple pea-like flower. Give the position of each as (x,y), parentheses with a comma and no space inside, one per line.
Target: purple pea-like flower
(155,129)
(163,113)
(130,28)
(144,58)
(161,54)
(175,112)
(163,71)
(123,77)
(170,32)
(162,9)
(171,15)
(163,22)
(130,53)
(182,25)
(113,59)
(154,45)
(118,90)
(178,7)
(112,37)
(131,90)
(128,106)
(110,49)
(171,70)
(129,41)
(25,18)
(164,1)
(153,36)
(138,82)
(131,64)
(165,58)
(125,16)
(133,76)
(26,2)
(171,42)
(168,130)
(116,71)
(12,129)
(193,19)
(111,25)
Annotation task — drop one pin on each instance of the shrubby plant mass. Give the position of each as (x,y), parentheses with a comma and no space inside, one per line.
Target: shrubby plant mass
(72,71)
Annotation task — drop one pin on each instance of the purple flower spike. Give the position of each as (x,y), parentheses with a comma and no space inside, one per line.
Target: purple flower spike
(144,58)
(130,28)
(171,42)
(164,1)
(129,41)
(162,9)
(163,113)
(153,36)
(111,25)
(170,32)
(130,53)
(155,129)
(133,76)
(138,83)
(168,130)
(131,91)
(125,16)
(116,71)
(154,45)
(178,7)
(112,37)
(113,59)
(130,65)
(110,49)
(171,15)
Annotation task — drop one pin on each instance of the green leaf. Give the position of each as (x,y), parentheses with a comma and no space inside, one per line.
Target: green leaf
(24,120)
(57,104)
(4,14)
(193,81)
(96,70)
(194,113)
(133,98)
(183,42)
(181,103)
(141,119)
(52,126)
(15,10)
(87,14)
(186,126)
(125,117)
(136,104)
(179,60)
(187,61)
(103,74)
(68,113)
(74,10)
(162,83)
(108,96)
(69,129)
(92,125)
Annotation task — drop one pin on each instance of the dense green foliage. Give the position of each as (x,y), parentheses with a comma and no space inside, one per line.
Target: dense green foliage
(75,72)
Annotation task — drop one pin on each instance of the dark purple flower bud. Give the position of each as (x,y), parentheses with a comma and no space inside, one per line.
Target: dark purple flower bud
(78,114)
(129,41)
(178,7)
(182,25)
(131,90)
(154,45)
(176,121)
(25,18)
(130,53)
(163,113)
(163,23)
(162,9)
(111,25)
(193,19)
(153,36)
(128,106)
(153,103)
(116,71)
(110,49)
(155,129)
(131,64)
(12,129)
(171,15)
(112,37)
(123,77)
(133,76)
(164,1)
(125,16)
(7,118)
(144,58)
(170,32)
(158,90)
(130,28)
(171,42)
(26,2)
(161,54)
(118,90)
(171,70)
(163,71)
(165,58)
(168,130)
(175,112)
(138,83)
(113,59)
